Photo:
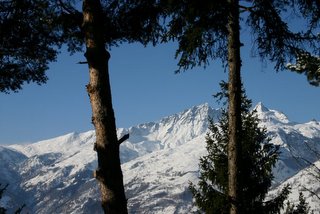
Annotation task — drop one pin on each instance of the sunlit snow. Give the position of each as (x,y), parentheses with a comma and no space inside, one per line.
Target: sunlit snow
(158,161)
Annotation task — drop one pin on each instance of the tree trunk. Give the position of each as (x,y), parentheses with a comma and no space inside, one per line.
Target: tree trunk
(108,174)
(234,114)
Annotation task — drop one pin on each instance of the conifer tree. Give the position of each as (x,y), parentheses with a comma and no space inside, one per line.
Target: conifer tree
(301,208)
(256,160)
(211,30)
(31,33)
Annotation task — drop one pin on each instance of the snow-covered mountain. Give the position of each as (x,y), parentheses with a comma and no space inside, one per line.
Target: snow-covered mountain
(297,141)
(306,181)
(158,161)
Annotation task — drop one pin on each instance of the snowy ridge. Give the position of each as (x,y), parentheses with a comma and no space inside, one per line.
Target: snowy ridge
(169,132)
(159,160)
(307,182)
(269,116)
(294,139)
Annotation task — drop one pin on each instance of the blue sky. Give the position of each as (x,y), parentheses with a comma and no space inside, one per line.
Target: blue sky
(144,89)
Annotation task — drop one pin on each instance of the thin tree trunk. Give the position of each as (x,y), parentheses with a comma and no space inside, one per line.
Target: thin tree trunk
(234,114)
(108,174)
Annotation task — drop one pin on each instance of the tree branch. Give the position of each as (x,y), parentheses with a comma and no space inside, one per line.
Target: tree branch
(82,62)
(244,8)
(124,138)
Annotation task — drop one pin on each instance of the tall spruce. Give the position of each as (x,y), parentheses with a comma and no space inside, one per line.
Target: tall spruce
(212,30)
(32,33)
(255,163)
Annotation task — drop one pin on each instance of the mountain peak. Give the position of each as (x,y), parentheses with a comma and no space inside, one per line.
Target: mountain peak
(201,112)
(261,108)
(203,105)
(197,108)
(159,160)
(266,114)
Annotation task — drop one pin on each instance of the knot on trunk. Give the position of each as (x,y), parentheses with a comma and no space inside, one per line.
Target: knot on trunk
(90,89)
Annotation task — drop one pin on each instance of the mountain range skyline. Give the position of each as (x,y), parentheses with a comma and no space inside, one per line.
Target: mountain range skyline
(144,88)
(260,103)
(158,161)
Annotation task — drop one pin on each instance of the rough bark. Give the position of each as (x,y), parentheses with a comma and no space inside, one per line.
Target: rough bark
(234,114)
(108,174)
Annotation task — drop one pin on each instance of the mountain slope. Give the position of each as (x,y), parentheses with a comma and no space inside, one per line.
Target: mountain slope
(159,181)
(296,141)
(306,181)
(169,132)
(159,159)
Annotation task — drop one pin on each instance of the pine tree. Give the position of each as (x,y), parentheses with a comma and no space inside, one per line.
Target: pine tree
(31,33)
(301,208)
(211,30)
(102,27)
(256,160)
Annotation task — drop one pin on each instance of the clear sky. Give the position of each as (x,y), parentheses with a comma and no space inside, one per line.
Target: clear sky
(144,89)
